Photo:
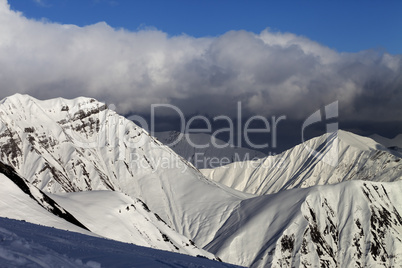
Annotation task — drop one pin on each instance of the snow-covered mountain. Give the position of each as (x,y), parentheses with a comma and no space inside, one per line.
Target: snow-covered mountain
(64,146)
(351,224)
(80,145)
(328,159)
(209,152)
(118,182)
(106,214)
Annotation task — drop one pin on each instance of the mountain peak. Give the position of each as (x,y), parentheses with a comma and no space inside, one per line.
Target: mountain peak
(360,142)
(327,159)
(55,102)
(21,107)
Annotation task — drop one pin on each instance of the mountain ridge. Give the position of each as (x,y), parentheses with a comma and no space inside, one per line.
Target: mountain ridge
(309,164)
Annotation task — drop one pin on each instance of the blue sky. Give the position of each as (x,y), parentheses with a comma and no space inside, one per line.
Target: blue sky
(346,26)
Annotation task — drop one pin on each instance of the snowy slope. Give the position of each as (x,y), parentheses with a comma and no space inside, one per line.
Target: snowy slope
(16,204)
(104,213)
(117,216)
(351,224)
(209,157)
(353,158)
(24,244)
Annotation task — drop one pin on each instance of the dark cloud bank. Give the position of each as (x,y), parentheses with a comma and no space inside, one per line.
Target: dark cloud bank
(271,73)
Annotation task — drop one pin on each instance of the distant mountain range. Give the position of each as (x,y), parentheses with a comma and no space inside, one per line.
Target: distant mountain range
(78,166)
(209,156)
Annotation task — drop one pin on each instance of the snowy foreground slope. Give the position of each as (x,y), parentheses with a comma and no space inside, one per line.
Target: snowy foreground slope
(343,156)
(78,166)
(24,244)
(205,154)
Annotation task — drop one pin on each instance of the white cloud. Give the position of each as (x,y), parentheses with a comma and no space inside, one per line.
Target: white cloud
(41,3)
(272,73)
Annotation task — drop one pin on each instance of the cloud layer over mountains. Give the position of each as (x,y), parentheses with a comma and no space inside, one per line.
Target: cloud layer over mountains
(272,73)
